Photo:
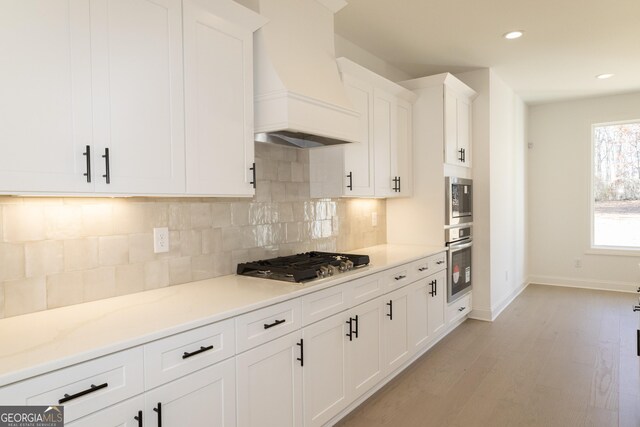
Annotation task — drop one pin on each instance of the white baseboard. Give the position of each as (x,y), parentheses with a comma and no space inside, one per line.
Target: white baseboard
(492,314)
(584,283)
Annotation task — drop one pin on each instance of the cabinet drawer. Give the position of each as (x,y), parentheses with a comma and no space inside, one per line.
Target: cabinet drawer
(268,323)
(458,309)
(429,265)
(367,288)
(437,262)
(181,354)
(325,303)
(398,277)
(87,387)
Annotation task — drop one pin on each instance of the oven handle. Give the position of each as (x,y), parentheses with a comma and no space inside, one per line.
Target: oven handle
(456,247)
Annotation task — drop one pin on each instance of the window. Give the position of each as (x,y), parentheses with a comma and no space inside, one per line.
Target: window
(616,185)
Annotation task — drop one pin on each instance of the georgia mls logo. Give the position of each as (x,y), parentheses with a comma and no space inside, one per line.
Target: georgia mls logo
(456,273)
(31,416)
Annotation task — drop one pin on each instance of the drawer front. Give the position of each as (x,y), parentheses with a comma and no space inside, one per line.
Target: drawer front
(437,262)
(458,309)
(322,304)
(398,277)
(427,266)
(87,387)
(367,288)
(266,324)
(178,355)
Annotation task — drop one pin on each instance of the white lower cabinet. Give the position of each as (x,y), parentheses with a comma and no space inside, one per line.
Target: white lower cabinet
(124,414)
(203,398)
(395,336)
(365,365)
(325,371)
(436,312)
(269,381)
(342,361)
(419,294)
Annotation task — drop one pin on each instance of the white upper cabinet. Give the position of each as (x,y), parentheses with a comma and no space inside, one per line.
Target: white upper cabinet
(93,97)
(45,106)
(218,56)
(379,164)
(138,116)
(358,157)
(457,131)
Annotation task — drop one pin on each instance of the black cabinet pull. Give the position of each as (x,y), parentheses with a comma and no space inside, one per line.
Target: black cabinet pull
(355,331)
(158,410)
(390,304)
(433,288)
(138,418)
(276,323)
(350,176)
(423,268)
(107,175)
(440,262)
(350,323)
(400,277)
(301,358)
(461,308)
(638,341)
(87,154)
(68,397)
(396,185)
(399,185)
(461,158)
(253,171)
(187,355)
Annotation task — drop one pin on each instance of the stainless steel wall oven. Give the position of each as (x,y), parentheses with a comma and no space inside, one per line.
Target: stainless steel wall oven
(459,240)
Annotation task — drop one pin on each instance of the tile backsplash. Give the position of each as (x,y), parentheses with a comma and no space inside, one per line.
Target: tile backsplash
(61,251)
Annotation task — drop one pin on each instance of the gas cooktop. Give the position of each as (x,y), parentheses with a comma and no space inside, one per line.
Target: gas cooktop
(303,267)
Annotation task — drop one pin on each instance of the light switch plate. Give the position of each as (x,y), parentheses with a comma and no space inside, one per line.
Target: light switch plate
(160,240)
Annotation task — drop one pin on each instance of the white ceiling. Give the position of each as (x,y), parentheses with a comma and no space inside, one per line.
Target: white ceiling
(566,42)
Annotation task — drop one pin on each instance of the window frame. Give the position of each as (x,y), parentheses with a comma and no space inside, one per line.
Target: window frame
(604,249)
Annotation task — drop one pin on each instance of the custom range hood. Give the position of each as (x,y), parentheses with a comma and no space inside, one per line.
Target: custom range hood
(299,97)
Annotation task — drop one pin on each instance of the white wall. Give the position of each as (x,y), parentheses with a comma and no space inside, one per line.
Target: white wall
(559,194)
(500,263)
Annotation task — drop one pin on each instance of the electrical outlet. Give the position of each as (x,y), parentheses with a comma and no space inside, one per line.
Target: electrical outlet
(160,240)
(374,219)
(577,263)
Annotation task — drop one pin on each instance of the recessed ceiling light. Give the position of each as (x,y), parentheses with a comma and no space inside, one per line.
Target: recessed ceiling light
(513,35)
(604,76)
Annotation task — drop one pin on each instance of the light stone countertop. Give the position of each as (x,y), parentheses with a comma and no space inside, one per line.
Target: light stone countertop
(40,342)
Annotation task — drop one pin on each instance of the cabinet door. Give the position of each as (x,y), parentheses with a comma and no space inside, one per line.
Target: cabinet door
(418,322)
(45,106)
(324,373)
(437,303)
(395,337)
(385,142)
(204,398)
(365,366)
(404,132)
(457,129)
(138,96)
(358,156)
(121,415)
(270,384)
(464,130)
(218,104)
(451,127)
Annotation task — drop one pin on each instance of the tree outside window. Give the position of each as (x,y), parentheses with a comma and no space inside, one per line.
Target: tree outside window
(616,185)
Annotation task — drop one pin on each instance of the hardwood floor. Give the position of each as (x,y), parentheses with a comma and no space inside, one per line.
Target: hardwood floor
(555,357)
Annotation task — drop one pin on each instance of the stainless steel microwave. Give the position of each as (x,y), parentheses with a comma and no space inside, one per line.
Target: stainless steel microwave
(459,200)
